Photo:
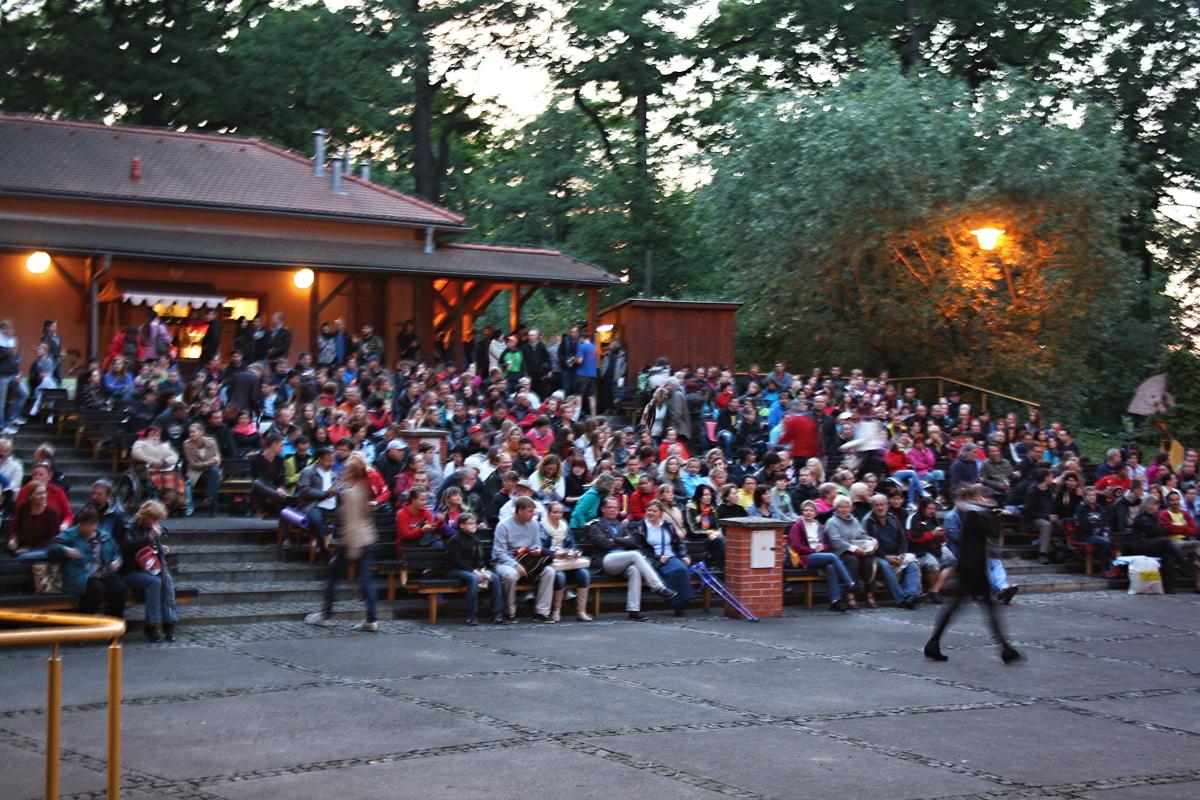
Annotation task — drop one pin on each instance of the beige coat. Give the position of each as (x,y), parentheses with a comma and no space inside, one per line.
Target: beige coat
(356,520)
(200,456)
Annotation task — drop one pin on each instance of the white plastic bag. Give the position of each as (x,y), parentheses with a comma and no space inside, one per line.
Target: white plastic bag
(1144,575)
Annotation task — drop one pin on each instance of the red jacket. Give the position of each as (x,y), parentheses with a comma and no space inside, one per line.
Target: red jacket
(1188,528)
(637,504)
(895,460)
(409,524)
(801,435)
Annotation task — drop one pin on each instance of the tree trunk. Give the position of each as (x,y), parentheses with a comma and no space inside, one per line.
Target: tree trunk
(424,163)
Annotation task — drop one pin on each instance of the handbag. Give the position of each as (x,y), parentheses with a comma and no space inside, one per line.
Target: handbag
(47,577)
(867,544)
(572,562)
(147,560)
(532,563)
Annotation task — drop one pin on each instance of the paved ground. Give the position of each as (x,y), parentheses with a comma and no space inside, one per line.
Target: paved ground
(816,705)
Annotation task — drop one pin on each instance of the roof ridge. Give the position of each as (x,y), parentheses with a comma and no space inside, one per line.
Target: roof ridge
(231,138)
(146,130)
(508,248)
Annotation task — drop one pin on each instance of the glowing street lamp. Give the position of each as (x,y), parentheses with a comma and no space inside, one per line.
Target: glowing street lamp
(38,262)
(988,237)
(303,278)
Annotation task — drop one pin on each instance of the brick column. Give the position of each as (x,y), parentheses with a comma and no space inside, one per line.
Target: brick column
(759,588)
(436,436)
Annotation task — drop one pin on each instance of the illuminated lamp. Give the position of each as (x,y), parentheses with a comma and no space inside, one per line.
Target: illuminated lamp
(304,278)
(38,262)
(988,237)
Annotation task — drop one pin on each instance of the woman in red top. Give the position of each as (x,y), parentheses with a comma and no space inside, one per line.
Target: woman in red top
(414,520)
(638,501)
(56,498)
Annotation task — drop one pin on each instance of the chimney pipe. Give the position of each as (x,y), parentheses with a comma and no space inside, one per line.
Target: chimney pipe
(347,165)
(135,169)
(319,151)
(336,182)
(366,171)
(428,240)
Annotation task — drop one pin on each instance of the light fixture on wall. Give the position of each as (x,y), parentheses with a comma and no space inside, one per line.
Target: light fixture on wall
(38,262)
(304,278)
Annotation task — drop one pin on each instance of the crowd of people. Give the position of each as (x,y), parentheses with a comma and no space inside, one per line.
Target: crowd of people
(860,470)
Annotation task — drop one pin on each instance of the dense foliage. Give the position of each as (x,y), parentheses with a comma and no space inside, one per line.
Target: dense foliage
(929,116)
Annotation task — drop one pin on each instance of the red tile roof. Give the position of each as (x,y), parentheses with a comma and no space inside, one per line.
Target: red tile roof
(89,160)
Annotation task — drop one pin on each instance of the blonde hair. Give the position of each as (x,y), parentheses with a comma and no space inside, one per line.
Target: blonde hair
(859,493)
(148,511)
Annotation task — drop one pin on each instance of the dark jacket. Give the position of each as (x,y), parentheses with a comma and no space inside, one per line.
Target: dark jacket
(464,553)
(1091,521)
(977,527)
(138,538)
(605,541)
(278,343)
(210,345)
(889,532)
(636,532)
(245,392)
(536,359)
(1039,504)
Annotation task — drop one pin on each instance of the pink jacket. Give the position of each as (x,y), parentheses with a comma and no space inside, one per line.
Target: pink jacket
(921,461)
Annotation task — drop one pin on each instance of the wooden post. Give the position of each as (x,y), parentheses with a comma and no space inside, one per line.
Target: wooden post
(593,294)
(314,313)
(514,308)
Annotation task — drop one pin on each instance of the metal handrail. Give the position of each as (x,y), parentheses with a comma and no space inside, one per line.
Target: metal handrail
(62,629)
(942,380)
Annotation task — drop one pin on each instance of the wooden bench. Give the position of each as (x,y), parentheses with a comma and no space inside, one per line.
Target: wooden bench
(808,577)
(235,479)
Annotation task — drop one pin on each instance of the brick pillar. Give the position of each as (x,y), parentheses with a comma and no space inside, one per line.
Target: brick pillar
(436,436)
(750,541)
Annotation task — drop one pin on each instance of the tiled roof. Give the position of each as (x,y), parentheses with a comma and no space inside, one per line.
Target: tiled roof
(88,160)
(455,261)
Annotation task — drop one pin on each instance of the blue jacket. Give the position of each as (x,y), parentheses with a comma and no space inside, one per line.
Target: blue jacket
(76,571)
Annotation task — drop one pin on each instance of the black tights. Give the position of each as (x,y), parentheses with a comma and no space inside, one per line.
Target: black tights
(951,608)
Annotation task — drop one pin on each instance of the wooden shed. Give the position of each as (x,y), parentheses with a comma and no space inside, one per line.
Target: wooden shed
(696,332)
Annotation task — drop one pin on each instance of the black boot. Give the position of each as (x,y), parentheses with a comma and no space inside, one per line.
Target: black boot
(151,632)
(1010,654)
(933,651)
(169,631)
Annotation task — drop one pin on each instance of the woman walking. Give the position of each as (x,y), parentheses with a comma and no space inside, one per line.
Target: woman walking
(356,540)
(975,507)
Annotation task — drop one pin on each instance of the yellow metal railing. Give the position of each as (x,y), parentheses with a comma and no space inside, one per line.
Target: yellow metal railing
(943,381)
(61,629)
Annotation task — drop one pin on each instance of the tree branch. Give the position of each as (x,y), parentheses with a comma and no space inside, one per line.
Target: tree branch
(598,123)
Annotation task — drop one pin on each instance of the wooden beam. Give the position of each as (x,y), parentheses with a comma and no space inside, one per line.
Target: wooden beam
(593,294)
(341,287)
(528,294)
(77,285)
(314,313)
(514,309)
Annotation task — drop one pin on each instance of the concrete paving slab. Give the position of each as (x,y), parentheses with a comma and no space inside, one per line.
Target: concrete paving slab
(530,771)
(24,771)
(560,702)
(1044,673)
(1164,650)
(804,686)
(148,672)
(363,656)
(997,740)
(1165,791)
(786,763)
(1180,711)
(623,643)
(275,730)
(1179,610)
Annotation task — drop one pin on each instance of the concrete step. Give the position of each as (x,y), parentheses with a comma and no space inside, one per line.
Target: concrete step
(191,572)
(214,554)
(266,611)
(226,592)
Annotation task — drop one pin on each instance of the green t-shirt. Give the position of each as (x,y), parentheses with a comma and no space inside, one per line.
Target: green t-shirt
(513,361)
